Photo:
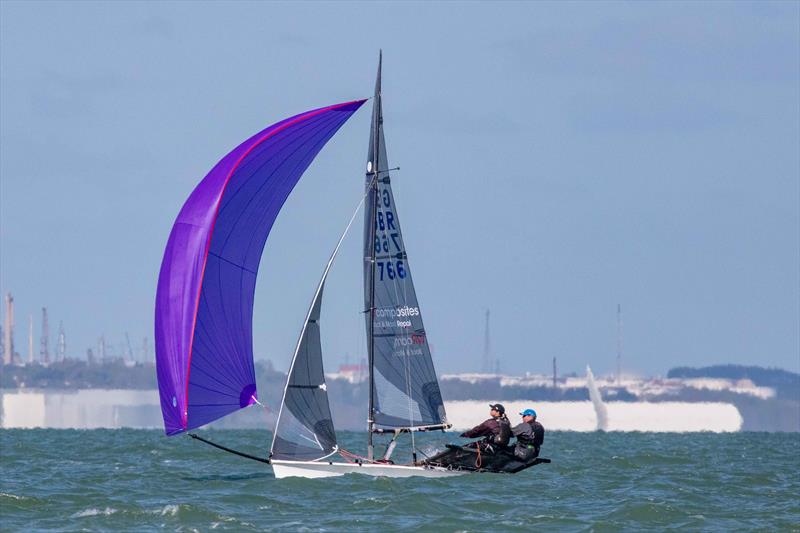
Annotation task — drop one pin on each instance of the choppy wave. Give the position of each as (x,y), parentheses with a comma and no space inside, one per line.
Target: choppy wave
(120,480)
(94,512)
(12,496)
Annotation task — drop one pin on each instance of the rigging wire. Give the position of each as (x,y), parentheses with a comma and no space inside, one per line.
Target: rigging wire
(305,325)
(354,458)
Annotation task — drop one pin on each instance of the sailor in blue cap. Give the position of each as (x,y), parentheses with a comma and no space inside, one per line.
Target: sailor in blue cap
(530,436)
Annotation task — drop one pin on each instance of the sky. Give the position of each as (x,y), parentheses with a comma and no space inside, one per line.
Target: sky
(557,159)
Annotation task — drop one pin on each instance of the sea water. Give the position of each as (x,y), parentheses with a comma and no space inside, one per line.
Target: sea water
(139,480)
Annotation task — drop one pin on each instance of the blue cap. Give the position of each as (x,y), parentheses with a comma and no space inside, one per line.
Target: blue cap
(528,412)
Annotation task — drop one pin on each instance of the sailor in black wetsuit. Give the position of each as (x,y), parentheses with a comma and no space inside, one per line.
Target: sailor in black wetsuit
(530,436)
(496,431)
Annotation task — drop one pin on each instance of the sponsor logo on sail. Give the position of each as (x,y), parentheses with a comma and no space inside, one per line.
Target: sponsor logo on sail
(413,339)
(391,312)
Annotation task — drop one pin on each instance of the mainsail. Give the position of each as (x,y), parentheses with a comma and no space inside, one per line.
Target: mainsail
(206,286)
(404,388)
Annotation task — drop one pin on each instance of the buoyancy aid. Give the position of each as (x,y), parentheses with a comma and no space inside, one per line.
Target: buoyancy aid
(503,434)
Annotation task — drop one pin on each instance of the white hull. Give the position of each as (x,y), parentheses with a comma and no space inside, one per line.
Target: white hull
(317,469)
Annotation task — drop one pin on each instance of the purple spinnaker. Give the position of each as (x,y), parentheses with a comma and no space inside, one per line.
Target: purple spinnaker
(204,303)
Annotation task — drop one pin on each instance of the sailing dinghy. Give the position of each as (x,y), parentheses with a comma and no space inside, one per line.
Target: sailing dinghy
(404,394)
(204,302)
(204,310)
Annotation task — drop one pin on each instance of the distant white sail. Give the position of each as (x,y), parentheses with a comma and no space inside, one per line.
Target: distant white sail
(597,400)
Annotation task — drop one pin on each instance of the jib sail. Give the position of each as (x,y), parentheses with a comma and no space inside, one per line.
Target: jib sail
(304,431)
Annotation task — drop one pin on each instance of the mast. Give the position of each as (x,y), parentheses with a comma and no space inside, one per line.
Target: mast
(369,212)
(404,390)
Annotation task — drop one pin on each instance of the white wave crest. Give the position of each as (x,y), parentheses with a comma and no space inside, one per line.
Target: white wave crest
(168,510)
(12,496)
(94,512)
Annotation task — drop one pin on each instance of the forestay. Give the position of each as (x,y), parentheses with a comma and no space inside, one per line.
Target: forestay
(206,286)
(405,392)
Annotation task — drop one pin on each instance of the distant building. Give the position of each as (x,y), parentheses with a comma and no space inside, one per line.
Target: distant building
(352,373)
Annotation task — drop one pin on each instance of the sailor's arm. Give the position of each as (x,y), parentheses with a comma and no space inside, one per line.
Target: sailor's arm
(481,430)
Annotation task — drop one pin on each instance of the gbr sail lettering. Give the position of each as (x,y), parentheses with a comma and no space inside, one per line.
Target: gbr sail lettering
(387,241)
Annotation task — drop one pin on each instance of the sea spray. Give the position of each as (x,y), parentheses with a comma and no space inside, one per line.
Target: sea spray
(597,400)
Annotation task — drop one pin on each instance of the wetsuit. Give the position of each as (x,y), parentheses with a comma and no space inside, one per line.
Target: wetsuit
(495,431)
(530,436)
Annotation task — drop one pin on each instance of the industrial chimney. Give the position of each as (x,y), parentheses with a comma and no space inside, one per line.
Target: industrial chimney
(8,331)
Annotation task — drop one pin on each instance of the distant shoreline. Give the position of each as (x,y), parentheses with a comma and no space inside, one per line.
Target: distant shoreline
(127,408)
(119,394)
